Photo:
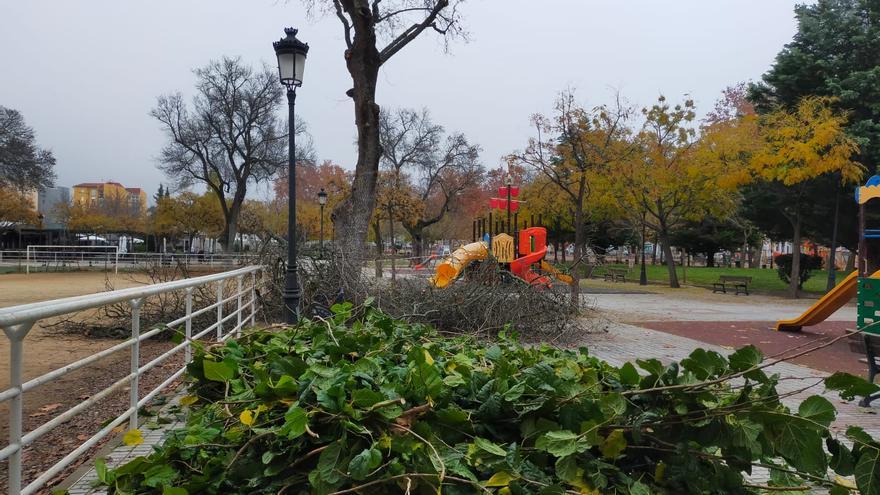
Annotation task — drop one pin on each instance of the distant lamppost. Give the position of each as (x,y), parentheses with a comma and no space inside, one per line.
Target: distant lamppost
(291,54)
(322,200)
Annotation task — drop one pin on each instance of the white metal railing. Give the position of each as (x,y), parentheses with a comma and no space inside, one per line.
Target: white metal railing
(80,253)
(17,321)
(54,260)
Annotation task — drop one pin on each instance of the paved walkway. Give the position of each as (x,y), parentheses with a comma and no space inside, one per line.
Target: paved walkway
(627,343)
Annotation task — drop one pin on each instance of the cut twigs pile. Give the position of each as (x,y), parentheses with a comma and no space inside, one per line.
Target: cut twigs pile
(379,406)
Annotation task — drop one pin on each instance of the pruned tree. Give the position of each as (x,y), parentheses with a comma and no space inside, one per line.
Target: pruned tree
(440,168)
(373,32)
(23,164)
(572,149)
(229,137)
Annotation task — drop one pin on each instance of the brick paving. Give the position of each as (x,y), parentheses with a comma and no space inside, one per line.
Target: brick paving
(85,483)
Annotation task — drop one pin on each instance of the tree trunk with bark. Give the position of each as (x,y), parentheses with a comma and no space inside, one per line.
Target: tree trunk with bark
(351,217)
(377,233)
(667,254)
(795,277)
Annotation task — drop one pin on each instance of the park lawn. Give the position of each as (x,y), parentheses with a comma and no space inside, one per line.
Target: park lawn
(763,280)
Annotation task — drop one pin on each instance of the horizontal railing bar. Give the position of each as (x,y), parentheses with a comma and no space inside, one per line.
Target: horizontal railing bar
(33,486)
(36,382)
(203,310)
(63,463)
(37,311)
(41,430)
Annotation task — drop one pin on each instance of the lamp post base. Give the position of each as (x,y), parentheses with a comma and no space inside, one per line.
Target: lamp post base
(291,295)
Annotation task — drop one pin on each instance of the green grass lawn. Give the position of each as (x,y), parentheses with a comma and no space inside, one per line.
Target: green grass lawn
(762,280)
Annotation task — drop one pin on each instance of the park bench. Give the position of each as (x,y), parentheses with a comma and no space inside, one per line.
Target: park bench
(615,275)
(869,345)
(740,284)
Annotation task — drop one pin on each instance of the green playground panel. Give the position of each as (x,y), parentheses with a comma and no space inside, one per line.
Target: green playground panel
(869,304)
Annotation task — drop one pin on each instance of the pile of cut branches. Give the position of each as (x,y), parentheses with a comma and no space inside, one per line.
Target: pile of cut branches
(381,406)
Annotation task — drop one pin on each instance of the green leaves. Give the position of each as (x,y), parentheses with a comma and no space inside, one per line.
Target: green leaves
(307,410)
(850,386)
(562,443)
(867,472)
(361,464)
(221,371)
(818,409)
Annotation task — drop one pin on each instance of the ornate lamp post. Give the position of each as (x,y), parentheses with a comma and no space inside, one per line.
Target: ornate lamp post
(322,200)
(291,54)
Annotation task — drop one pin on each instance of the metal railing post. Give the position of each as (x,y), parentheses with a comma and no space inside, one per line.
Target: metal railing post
(219,309)
(238,285)
(188,325)
(136,305)
(253,298)
(16,336)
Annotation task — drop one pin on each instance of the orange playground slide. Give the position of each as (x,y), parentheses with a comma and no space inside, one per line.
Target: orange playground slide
(826,306)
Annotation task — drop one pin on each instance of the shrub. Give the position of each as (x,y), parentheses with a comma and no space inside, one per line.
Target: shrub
(809,263)
(380,406)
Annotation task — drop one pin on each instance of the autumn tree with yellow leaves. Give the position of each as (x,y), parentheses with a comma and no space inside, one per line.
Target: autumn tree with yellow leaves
(572,149)
(796,147)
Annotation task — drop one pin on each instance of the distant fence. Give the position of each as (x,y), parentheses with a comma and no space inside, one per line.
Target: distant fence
(84,258)
(17,321)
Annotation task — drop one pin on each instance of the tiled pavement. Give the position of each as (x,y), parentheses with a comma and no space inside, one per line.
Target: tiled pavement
(621,344)
(85,485)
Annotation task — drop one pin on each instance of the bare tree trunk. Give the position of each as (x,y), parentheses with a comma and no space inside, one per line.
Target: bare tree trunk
(391,238)
(667,254)
(850,262)
(795,275)
(351,217)
(377,233)
(832,254)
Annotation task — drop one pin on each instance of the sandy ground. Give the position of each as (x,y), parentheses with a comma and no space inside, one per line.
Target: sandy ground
(45,350)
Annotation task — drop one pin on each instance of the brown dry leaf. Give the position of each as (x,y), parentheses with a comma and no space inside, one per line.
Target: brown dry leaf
(50,407)
(82,438)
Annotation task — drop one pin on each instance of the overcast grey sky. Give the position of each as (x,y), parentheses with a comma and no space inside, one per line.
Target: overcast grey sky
(86,73)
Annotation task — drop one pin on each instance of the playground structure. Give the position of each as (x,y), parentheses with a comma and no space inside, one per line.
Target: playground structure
(520,254)
(858,283)
(532,247)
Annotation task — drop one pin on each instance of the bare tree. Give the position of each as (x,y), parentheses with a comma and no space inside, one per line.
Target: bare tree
(441,169)
(583,144)
(23,164)
(229,137)
(374,31)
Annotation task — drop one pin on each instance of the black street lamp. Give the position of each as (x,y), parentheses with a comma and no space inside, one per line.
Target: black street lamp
(291,54)
(322,200)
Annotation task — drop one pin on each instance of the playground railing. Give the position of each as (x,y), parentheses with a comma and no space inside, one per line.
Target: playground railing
(17,321)
(84,257)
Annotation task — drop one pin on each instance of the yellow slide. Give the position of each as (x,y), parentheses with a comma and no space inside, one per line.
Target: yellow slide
(449,268)
(827,305)
(547,267)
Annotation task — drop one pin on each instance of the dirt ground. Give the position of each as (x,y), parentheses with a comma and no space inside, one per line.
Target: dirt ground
(46,350)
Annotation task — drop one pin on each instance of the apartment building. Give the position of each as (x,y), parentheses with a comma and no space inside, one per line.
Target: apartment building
(89,193)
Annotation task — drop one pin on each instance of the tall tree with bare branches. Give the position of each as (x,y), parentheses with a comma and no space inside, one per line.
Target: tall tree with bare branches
(374,31)
(229,137)
(440,167)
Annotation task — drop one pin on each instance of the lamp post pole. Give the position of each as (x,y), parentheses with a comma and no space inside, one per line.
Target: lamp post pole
(322,200)
(292,291)
(291,54)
